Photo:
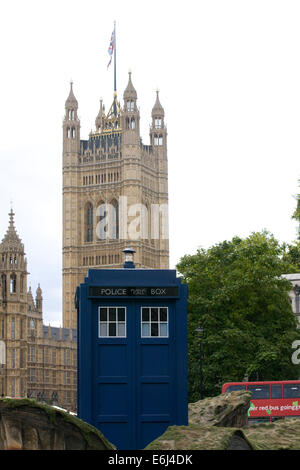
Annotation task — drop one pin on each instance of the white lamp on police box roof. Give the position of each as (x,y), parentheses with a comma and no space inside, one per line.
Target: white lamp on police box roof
(129,258)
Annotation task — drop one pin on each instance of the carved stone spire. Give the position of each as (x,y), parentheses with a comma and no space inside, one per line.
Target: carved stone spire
(71,100)
(157,109)
(130,92)
(11,241)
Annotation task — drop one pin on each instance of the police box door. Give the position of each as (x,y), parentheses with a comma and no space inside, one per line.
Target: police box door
(134,359)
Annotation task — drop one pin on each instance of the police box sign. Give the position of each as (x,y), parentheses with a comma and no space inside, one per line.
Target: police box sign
(96,291)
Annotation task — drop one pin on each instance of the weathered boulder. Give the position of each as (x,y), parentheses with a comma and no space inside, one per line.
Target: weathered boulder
(283,434)
(215,424)
(228,410)
(201,437)
(28,425)
(212,425)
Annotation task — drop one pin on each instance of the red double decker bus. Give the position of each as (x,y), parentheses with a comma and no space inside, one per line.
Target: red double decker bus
(270,400)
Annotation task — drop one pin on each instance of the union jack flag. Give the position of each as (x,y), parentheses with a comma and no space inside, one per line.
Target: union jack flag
(111,47)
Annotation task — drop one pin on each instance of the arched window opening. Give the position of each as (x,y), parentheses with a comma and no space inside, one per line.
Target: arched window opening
(155,139)
(130,105)
(102,225)
(4,286)
(160,140)
(68,132)
(157,123)
(115,219)
(13,284)
(132,123)
(73,133)
(108,220)
(89,222)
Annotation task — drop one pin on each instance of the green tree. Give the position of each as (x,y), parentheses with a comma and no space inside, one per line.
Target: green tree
(238,294)
(291,257)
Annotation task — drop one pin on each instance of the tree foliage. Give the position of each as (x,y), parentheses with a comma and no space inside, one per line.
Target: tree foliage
(238,294)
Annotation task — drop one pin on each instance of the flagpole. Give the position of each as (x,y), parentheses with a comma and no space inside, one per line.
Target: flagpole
(115,60)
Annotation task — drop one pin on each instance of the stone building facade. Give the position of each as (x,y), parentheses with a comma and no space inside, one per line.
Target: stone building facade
(36,360)
(295,294)
(115,192)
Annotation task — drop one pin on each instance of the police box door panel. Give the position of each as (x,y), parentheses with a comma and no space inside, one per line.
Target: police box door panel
(155,365)
(134,358)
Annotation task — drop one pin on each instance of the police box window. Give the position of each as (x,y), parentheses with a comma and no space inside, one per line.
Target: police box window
(154,322)
(112,322)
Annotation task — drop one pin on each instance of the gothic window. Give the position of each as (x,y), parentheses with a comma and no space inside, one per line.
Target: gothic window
(130,105)
(32,354)
(67,357)
(13,328)
(73,133)
(103,214)
(108,218)
(2,353)
(115,220)
(13,387)
(13,358)
(132,123)
(68,132)
(160,140)
(155,139)
(3,282)
(89,222)
(157,123)
(13,284)
(32,375)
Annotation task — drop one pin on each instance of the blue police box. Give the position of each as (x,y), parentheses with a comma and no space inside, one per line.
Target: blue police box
(132,353)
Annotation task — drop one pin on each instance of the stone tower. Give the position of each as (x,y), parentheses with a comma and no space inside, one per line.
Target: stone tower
(13,312)
(115,193)
(36,360)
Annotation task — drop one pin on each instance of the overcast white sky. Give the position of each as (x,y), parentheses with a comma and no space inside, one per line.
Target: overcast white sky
(228,72)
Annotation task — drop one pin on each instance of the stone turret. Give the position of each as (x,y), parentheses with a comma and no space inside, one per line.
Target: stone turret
(158,132)
(39,299)
(71,124)
(131,115)
(13,264)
